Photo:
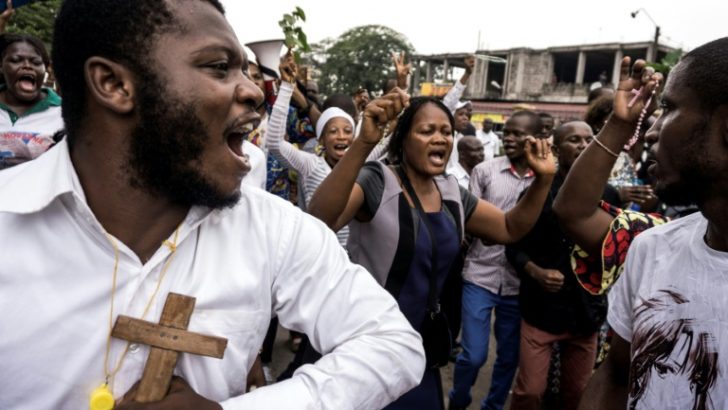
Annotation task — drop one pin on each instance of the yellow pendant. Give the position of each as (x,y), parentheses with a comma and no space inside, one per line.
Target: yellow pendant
(101,398)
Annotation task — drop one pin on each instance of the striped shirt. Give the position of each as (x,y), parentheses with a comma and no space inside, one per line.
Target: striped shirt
(312,168)
(497,182)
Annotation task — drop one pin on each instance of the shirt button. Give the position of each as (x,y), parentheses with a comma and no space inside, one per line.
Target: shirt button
(133,348)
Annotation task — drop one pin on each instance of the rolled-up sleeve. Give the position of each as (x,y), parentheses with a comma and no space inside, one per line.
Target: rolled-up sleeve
(371,353)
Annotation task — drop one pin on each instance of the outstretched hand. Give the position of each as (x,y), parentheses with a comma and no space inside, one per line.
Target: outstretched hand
(402,69)
(469,64)
(288,68)
(379,112)
(634,89)
(539,156)
(180,396)
(6,15)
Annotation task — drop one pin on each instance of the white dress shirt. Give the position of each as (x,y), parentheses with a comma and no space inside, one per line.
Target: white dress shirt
(491,143)
(460,174)
(243,264)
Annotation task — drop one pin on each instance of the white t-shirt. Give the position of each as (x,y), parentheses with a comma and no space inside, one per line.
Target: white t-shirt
(671,305)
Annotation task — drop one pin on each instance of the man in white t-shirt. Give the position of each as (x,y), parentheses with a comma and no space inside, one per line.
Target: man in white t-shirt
(669,309)
(492,144)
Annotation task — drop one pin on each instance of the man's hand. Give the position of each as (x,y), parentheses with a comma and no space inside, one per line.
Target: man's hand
(379,112)
(469,64)
(6,15)
(549,279)
(288,68)
(180,397)
(539,156)
(642,79)
(256,377)
(403,70)
(640,194)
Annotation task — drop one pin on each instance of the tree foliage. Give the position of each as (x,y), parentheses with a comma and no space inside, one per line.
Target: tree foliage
(35,19)
(361,57)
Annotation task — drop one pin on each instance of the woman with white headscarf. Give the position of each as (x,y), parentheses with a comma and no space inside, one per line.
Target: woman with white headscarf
(334,131)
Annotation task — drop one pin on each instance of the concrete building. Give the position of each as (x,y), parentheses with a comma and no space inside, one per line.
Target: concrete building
(556,75)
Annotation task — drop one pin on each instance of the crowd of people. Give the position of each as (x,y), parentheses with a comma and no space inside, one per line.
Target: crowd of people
(388,232)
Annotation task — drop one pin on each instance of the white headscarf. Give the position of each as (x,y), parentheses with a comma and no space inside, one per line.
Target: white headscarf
(329,114)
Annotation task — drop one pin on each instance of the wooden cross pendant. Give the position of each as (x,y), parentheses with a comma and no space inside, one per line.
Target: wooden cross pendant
(166,339)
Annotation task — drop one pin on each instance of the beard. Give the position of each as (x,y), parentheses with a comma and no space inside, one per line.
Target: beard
(167,147)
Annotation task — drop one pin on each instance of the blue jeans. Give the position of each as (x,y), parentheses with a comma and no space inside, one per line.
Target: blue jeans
(478,304)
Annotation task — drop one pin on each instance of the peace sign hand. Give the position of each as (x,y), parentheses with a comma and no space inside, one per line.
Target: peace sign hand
(635,89)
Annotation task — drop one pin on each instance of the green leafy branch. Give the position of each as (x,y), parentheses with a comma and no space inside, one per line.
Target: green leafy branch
(295,37)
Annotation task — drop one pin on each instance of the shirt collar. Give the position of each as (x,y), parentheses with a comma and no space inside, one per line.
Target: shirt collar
(507,166)
(50,100)
(31,186)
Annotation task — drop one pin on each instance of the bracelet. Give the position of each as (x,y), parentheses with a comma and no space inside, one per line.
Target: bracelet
(609,151)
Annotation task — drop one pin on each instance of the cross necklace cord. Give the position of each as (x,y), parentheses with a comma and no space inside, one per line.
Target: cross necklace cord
(102,397)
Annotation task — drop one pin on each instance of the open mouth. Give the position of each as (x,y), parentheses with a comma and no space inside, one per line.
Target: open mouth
(26,83)
(437,157)
(341,147)
(237,135)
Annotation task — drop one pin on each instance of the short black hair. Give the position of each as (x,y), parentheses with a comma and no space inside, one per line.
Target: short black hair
(534,121)
(120,30)
(708,73)
(6,39)
(404,125)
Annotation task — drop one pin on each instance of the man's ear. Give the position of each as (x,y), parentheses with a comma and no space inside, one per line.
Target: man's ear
(110,84)
(722,112)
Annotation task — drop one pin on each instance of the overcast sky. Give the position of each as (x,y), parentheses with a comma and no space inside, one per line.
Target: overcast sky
(455,25)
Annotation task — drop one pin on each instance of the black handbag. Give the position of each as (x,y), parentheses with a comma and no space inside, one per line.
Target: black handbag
(435,330)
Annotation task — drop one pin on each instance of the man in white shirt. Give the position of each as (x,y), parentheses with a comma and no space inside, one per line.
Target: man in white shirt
(460,109)
(470,154)
(158,104)
(668,309)
(492,144)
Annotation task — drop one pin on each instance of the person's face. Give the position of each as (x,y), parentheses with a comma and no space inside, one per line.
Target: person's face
(473,154)
(487,125)
(670,371)
(361,99)
(690,156)
(312,90)
(547,127)
(256,76)
(336,138)
(428,144)
(194,114)
(461,119)
(514,136)
(573,143)
(24,72)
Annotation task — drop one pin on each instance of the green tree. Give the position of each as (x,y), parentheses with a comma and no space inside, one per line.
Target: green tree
(35,19)
(361,57)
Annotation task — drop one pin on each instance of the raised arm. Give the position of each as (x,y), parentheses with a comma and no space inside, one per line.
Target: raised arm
(456,92)
(495,226)
(6,15)
(339,198)
(401,69)
(577,203)
(275,142)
